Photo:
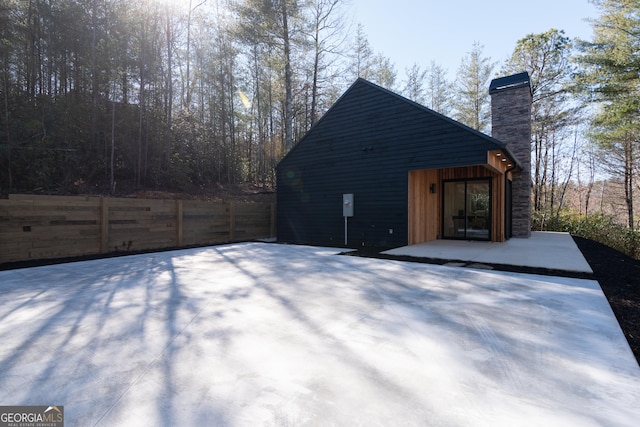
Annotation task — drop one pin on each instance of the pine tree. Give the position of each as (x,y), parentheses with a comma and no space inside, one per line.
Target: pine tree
(414,88)
(610,78)
(546,57)
(439,91)
(472,103)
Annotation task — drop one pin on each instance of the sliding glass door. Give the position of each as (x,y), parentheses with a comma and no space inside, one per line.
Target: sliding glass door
(455,218)
(466,209)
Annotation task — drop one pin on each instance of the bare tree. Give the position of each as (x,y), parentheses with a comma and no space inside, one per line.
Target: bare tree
(327,36)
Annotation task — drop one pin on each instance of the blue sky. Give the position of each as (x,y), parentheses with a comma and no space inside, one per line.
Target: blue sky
(421,31)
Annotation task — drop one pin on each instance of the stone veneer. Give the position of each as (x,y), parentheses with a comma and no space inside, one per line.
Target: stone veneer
(511,124)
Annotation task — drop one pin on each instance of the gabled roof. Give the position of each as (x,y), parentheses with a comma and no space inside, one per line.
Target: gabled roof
(499,145)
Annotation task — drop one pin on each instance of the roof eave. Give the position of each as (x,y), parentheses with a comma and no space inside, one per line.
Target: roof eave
(512,157)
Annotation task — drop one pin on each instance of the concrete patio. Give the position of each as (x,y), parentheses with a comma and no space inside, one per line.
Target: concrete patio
(266,334)
(555,251)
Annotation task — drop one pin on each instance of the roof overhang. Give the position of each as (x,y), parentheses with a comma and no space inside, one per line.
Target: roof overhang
(502,161)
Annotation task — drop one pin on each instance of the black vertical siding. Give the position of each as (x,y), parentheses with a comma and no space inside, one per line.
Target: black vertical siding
(365,145)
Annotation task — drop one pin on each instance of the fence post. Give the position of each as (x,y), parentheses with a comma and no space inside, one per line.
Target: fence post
(179,223)
(232,221)
(104,224)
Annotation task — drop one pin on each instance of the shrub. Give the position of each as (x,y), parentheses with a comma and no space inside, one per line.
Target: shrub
(598,227)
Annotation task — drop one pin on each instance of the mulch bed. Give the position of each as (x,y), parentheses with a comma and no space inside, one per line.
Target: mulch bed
(619,277)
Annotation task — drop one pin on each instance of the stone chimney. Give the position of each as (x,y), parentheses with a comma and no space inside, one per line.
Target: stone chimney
(511,123)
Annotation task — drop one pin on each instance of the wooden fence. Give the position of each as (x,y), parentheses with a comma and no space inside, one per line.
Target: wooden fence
(38,227)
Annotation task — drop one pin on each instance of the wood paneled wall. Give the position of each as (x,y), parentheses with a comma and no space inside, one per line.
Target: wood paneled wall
(39,227)
(425,208)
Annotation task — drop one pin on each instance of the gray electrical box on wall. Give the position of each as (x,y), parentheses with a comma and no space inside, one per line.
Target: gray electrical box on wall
(347,205)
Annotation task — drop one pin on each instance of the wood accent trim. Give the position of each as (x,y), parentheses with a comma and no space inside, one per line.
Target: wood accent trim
(495,163)
(425,208)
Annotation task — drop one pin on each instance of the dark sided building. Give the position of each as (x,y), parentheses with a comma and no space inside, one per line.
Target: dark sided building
(407,173)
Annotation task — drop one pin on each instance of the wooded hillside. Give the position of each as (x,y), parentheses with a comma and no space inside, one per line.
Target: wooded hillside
(112,96)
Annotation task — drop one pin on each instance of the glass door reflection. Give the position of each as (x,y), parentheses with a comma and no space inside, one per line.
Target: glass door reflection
(466,209)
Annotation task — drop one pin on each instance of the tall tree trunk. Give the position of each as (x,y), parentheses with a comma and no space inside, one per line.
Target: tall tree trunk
(94,68)
(288,81)
(6,120)
(30,43)
(537,187)
(112,181)
(141,102)
(166,153)
(187,102)
(261,147)
(314,84)
(553,174)
(592,173)
(628,180)
(232,127)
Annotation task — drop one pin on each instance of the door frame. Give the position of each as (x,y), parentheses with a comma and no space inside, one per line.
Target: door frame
(489,180)
(508,208)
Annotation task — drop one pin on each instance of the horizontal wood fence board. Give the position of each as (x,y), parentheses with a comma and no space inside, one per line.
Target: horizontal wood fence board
(47,233)
(207,231)
(77,243)
(37,198)
(191,228)
(206,225)
(68,222)
(263,230)
(37,227)
(248,221)
(205,206)
(29,207)
(217,234)
(201,217)
(24,252)
(251,219)
(196,204)
(16,209)
(126,231)
(203,235)
(54,202)
(214,222)
(150,242)
(116,222)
